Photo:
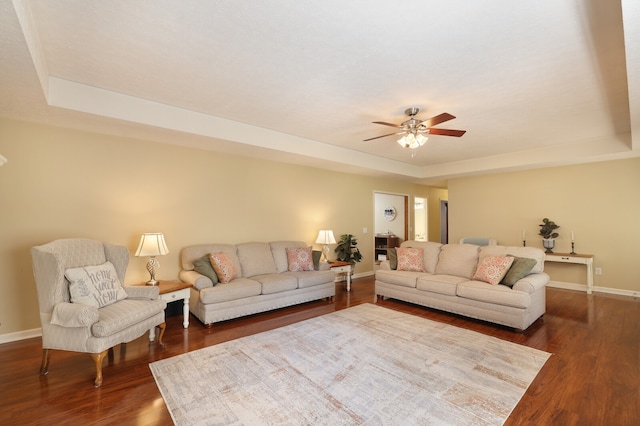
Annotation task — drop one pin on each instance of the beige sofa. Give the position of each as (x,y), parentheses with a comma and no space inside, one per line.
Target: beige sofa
(447,284)
(264,281)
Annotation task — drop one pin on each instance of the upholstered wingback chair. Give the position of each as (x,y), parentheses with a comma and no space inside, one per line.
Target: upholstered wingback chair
(81,327)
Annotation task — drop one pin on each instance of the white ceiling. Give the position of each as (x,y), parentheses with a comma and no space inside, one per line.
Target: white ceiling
(535,84)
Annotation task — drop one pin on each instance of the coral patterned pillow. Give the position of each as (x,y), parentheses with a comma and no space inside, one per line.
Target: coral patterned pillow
(410,259)
(300,259)
(493,268)
(224,267)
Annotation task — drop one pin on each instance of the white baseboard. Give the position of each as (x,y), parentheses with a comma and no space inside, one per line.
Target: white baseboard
(583,287)
(20,335)
(343,277)
(363,274)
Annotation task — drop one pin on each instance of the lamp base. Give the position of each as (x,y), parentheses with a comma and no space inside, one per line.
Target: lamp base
(152,266)
(325,252)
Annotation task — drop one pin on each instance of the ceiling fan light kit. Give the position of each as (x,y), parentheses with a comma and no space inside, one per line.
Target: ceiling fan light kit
(414,130)
(412,140)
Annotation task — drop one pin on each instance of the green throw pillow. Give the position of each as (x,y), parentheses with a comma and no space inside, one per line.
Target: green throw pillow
(203,266)
(393,258)
(315,255)
(520,268)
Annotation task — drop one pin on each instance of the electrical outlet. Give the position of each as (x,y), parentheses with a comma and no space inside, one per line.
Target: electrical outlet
(598,271)
(364,230)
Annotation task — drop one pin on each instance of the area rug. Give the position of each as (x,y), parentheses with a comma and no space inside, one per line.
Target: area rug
(366,365)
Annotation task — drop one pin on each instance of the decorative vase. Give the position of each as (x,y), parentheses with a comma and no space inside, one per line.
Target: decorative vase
(549,244)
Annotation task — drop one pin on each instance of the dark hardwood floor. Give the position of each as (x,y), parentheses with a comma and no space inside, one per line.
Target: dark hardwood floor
(592,378)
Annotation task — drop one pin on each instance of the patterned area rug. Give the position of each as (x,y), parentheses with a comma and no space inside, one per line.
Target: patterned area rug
(366,365)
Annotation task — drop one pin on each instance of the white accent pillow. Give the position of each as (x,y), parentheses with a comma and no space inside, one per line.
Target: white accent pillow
(95,285)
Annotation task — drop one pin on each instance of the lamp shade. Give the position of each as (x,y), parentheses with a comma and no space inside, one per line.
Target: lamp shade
(325,236)
(152,244)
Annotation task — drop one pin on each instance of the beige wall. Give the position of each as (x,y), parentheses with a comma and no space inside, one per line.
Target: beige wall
(62,183)
(599,202)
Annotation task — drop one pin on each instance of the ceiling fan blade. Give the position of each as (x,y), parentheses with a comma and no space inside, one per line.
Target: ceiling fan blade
(388,124)
(444,132)
(384,136)
(434,121)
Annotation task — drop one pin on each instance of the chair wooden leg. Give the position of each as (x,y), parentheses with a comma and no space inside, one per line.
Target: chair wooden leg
(44,366)
(97,359)
(162,327)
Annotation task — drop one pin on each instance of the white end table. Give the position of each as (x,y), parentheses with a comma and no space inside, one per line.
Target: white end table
(340,267)
(172,291)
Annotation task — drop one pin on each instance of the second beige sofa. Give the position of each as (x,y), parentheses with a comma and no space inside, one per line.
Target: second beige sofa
(447,283)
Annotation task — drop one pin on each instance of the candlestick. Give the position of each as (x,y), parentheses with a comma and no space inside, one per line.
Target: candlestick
(572,239)
(572,251)
(524,243)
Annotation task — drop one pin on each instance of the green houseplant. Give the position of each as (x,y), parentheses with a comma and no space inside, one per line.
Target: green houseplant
(547,231)
(347,249)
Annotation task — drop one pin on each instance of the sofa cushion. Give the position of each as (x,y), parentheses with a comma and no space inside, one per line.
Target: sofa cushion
(239,288)
(119,316)
(457,259)
(443,284)
(410,259)
(224,267)
(255,259)
(275,283)
(497,294)
(191,253)
(492,269)
(203,266)
(278,250)
(299,259)
(528,252)
(430,251)
(312,278)
(401,278)
(96,285)
(520,268)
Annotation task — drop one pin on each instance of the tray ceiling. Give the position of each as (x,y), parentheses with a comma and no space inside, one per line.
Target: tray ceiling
(535,84)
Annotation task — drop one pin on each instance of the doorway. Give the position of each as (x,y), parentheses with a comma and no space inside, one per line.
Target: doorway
(420,219)
(391,214)
(444,221)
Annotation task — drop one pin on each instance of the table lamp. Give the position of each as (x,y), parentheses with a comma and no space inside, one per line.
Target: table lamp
(152,245)
(325,237)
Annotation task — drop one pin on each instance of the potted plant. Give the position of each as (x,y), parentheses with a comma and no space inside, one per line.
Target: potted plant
(547,228)
(347,250)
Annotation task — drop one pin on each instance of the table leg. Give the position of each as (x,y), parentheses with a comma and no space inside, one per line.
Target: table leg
(349,279)
(152,334)
(185,313)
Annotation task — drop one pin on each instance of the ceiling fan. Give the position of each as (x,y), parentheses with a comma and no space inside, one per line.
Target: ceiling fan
(414,130)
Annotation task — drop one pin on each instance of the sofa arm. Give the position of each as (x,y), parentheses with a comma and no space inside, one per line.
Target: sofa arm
(532,282)
(74,315)
(197,280)
(145,292)
(385,265)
